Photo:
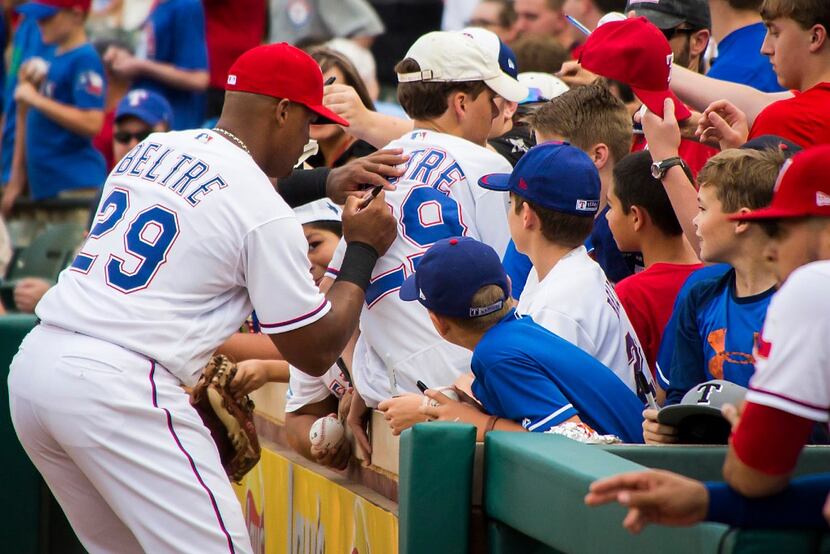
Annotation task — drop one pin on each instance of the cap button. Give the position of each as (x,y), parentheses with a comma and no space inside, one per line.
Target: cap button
(453,241)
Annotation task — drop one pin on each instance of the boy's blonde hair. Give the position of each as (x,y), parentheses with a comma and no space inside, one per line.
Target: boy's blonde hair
(742,178)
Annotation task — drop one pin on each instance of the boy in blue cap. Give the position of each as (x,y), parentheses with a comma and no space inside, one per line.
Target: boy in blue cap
(53,150)
(524,374)
(555,195)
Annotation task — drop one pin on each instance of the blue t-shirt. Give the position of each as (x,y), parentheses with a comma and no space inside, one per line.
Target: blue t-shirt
(740,60)
(26,43)
(58,159)
(526,373)
(666,351)
(601,245)
(716,334)
(175,34)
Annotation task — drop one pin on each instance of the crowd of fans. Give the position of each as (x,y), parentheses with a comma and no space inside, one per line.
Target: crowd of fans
(615,264)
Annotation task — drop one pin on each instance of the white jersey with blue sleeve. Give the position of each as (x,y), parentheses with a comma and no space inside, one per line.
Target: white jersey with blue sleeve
(437,197)
(190,236)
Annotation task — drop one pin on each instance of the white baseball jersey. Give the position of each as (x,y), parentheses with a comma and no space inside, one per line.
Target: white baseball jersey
(792,359)
(576,302)
(190,236)
(437,197)
(304,389)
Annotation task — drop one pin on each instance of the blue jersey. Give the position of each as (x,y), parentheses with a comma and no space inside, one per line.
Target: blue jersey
(601,245)
(526,373)
(666,351)
(175,34)
(716,335)
(26,43)
(56,158)
(740,60)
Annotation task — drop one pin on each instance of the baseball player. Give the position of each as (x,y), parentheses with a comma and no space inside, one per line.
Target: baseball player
(190,237)
(789,390)
(447,86)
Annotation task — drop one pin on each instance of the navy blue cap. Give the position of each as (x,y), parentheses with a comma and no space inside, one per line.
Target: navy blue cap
(766,142)
(36,10)
(554,175)
(451,272)
(507,60)
(148,106)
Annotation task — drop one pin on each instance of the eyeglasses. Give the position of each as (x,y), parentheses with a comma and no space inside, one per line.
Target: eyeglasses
(481,22)
(124,137)
(671,33)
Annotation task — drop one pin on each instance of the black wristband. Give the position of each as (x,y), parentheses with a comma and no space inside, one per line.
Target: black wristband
(358,263)
(303,186)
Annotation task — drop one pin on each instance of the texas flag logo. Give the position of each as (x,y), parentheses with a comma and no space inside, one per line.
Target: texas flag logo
(92,82)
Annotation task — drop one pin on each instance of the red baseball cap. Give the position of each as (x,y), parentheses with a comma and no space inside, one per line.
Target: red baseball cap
(282,71)
(634,52)
(47,8)
(802,189)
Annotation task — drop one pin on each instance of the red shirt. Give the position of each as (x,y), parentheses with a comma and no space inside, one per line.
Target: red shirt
(103,140)
(693,153)
(648,298)
(232,27)
(804,119)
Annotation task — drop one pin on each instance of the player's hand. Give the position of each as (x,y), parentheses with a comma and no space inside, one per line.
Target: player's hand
(345,102)
(662,133)
(575,75)
(28,292)
(372,225)
(448,409)
(352,178)
(402,412)
(250,376)
(724,125)
(356,423)
(655,432)
(336,457)
(26,93)
(653,496)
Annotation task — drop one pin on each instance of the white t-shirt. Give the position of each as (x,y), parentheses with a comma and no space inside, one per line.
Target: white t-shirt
(792,359)
(437,197)
(576,302)
(303,389)
(190,237)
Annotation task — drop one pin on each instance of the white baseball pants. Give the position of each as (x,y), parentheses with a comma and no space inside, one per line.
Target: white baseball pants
(126,456)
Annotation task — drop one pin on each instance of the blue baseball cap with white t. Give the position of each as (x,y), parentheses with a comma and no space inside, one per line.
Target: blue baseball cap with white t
(449,275)
(553,175)
(150,107)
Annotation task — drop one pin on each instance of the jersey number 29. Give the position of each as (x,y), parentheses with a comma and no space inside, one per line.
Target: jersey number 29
(148,238)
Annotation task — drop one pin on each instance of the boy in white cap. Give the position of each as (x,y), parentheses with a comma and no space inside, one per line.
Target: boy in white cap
(448,84)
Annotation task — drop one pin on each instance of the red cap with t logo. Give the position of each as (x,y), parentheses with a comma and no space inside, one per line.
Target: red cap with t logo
(634,52)
(802,189)
(282,71)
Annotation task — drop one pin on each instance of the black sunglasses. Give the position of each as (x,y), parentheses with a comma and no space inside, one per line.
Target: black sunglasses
(123,137)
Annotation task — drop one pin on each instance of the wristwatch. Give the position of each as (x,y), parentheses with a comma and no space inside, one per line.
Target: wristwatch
(659,169)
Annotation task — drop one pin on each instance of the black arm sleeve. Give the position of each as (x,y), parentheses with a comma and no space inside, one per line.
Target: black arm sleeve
(303,186)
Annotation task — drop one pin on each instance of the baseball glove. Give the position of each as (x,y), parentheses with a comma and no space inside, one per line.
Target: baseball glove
(230,421)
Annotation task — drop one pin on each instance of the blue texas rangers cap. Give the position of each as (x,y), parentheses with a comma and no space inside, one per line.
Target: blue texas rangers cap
(451,272)
(554,175)
(148,106)
(47,8)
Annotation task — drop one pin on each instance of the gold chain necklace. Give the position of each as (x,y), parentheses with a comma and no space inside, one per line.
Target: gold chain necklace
(232,137)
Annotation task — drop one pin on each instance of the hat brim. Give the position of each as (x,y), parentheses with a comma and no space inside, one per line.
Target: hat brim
(507,87)
(37,11)
(326,116)
(659,19)
(674,415)
(655,100)
(409,289)
(495,181)
(146,116)
(767,214)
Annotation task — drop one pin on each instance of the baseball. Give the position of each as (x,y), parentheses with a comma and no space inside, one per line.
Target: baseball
(449,392)
(37,68)
(327,432)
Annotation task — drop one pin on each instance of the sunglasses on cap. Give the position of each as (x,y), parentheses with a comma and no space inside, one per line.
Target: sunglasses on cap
(124,137)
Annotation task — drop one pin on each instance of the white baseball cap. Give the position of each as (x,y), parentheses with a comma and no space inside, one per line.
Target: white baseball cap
(319,210)
(456,56)
(541,86)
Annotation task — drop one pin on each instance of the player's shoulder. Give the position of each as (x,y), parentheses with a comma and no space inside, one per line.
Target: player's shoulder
(808,287)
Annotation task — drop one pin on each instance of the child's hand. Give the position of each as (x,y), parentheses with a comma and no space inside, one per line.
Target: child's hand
(122,63)
(250,375)
(662,133)
(402,412)
(33,71)
(25,93)
(723,124)
(655,432)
